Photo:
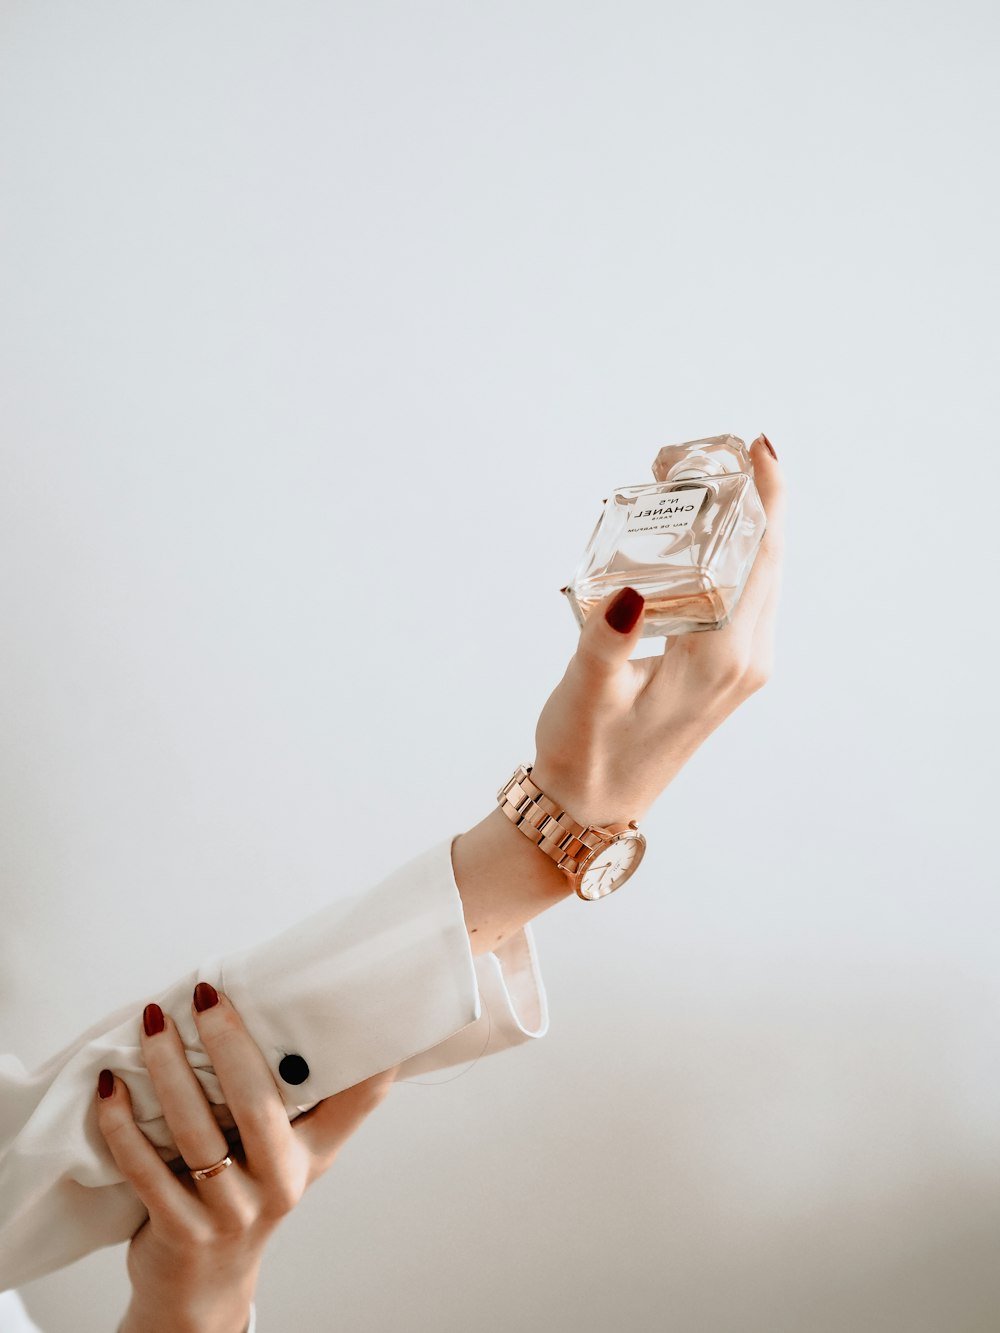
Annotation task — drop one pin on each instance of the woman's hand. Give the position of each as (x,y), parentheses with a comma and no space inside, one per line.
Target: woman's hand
(194,1264)
(614,733)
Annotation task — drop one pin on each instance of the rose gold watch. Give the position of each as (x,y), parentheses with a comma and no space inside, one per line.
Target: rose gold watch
(596,859)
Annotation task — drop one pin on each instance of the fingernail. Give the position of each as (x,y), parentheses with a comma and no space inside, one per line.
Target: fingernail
(625,610)
(152,1019)
(205,996)
(105,1084)
(770,446)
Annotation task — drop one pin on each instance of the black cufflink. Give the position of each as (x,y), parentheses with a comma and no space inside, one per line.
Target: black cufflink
(293,1069)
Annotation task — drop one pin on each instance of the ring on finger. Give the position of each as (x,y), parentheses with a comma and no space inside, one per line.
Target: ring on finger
(207,1172)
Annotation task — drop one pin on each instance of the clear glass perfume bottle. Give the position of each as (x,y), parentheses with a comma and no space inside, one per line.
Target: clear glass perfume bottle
(686,542)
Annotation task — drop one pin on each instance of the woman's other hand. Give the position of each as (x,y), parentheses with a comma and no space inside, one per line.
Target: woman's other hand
(614,733)
(194,1263)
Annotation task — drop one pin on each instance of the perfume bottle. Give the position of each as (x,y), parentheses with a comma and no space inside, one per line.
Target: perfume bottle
(686,542)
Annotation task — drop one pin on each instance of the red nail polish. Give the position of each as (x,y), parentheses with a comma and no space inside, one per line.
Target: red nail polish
(105,1083)
(770,446)
(152,1019)
(205,996)
(625,610)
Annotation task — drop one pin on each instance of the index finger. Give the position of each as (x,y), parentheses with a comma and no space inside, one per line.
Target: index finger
(330,1123)
(735,640)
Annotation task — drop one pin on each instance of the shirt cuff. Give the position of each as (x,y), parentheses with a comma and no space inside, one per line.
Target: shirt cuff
(364,984)
(514,1009)
(384,978)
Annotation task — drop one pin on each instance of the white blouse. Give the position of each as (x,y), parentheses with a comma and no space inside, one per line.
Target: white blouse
(383,978)
(14,1318)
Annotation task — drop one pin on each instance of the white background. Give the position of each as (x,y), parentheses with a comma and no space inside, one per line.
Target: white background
(325,328)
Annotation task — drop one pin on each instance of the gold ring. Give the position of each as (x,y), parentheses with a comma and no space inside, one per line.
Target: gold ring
(207,1172)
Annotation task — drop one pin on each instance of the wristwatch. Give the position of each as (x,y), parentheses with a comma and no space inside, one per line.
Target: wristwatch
(596,859)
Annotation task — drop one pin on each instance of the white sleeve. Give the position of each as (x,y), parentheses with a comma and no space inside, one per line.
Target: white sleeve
(384,978)
(14,1318)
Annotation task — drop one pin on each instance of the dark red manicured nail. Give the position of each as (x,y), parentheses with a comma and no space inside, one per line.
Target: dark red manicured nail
(625,610)
(205,996)
(770,446)
(105,1083)
(152,1019)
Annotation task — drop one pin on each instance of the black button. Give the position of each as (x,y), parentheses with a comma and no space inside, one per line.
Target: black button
(293,1069)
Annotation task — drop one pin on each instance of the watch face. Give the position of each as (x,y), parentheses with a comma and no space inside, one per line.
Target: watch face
(612,867)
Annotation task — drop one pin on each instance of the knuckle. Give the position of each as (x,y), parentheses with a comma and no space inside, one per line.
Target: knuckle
(114,1125)
(224,1039)
(736,674)
(280,1199)
(175,1230)
(756,678)
(587,662)
(221,1023)
(114,1121)
(238,1218)
(725,674)
(200,1233)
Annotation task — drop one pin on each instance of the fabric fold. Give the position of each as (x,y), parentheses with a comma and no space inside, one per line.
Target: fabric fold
(383,978)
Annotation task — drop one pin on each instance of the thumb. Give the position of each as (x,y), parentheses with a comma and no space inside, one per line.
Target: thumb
(611,631)
(328,1125)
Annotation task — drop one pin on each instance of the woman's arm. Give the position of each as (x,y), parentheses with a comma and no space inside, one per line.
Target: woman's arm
(373,981)
(614,733)
(396,974)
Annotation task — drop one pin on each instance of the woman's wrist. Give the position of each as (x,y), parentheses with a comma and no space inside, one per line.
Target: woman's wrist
(213,1303)
(503,880)
(222,1312)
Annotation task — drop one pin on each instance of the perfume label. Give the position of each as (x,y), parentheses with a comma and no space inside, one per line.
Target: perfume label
(666,513)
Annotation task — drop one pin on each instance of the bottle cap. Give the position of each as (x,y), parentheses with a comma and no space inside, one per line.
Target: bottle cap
(711,457)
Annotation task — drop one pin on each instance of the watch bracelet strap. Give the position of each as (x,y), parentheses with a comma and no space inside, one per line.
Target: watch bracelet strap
(546,824)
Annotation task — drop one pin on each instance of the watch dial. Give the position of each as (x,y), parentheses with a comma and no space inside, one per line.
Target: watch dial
(612,867)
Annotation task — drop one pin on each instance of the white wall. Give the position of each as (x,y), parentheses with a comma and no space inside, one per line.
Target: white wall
(268,268)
